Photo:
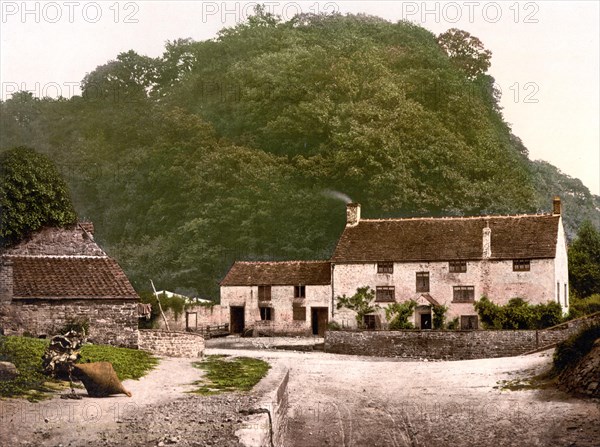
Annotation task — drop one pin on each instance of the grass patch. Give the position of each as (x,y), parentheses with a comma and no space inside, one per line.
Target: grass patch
(128,363)
(32,384)
(224,374)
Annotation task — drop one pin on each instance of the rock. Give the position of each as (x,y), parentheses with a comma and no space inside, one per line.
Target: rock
(8,371)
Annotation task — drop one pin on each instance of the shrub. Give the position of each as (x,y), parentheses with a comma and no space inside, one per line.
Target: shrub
(579,307)
(397,314)
(360,302)
(439,316)
(518,314)
(575,347)
(453,325)
(334,326)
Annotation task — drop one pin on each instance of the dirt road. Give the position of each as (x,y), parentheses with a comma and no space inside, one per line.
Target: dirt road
(353,401)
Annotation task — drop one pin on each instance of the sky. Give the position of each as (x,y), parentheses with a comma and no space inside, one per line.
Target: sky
(545,54)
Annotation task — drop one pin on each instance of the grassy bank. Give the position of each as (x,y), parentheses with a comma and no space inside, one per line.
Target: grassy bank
(31,383)
(225,374)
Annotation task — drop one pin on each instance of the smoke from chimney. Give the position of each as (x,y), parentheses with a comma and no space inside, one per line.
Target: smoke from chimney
(337,195)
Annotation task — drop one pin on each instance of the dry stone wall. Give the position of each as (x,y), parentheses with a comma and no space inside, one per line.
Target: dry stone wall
(583,378)
(171,344)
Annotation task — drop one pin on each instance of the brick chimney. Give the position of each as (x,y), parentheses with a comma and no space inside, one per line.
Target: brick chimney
(487,242)
(6,280)
(556,206)
(352,214)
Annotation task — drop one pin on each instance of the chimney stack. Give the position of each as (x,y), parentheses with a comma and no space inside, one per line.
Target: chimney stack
(352,214)
(6,280)
(487,241)
(556,206)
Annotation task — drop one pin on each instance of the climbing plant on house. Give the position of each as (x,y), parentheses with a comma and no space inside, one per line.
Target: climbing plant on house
(361,303)
(398,313)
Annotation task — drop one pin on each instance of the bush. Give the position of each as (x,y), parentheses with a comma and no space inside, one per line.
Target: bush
(397,314)
(518,314)
(439,316)
(453,325)
(334,326)
(579,307)
(575,347)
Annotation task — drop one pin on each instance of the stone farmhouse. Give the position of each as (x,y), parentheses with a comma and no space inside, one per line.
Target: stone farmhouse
(449,261)
(291,298)
(60,276)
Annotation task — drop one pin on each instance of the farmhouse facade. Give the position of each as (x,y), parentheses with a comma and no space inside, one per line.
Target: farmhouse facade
(291,298)
(60,276)
(451,261)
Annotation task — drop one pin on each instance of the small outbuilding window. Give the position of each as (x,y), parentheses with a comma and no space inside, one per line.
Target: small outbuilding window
(385,293)
(264,293)
(370,322)
(266,313)
(521,265)
(385,267)
(458,266)
(299,291)
(469,322)
(422,281)
(464,294)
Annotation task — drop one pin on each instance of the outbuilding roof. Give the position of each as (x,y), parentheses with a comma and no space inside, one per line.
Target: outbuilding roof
(278,273)
(446,239)
(69,277)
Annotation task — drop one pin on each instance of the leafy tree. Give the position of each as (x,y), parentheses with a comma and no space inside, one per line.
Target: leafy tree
(584,261)
(466,51)
(360,302)
(32,195)
(579,307)
(398,313)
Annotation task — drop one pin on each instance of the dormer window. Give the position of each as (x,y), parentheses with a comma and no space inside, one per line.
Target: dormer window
(385,267)
(521,265)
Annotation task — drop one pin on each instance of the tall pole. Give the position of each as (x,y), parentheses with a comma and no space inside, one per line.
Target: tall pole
(160,307)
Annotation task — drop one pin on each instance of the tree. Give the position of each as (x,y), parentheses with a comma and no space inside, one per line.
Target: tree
(398,313)
(466,52)
(360,303)
(584,261)
(32,195)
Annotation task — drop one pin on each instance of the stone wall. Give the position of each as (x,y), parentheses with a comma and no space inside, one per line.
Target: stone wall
(171,344)
(583,378)
(450,345)
(110,322)
(194,318)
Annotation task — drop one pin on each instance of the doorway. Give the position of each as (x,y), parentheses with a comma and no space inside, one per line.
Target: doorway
(319,320)
(425,321)
(236,320)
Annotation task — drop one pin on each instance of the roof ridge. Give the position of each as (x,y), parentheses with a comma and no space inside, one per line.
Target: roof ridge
(325,261)
(491,216)
(22,255)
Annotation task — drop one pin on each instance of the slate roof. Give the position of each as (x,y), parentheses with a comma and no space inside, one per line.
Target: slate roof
(278,273)
(446,239)
(69,277)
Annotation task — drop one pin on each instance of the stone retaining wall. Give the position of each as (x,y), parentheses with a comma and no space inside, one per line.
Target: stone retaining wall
(449,345)
(171,344)
(583,378)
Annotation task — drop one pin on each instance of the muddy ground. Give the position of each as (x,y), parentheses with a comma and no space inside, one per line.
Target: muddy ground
(334,400)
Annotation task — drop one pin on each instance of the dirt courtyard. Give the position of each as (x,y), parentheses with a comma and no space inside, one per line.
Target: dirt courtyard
(334,400)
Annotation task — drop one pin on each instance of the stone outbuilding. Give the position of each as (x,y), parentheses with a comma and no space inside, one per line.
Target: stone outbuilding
(284,298)
(60,276)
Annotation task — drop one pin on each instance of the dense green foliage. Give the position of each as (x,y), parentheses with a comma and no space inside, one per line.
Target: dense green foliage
(361,303)
(220,150)
(32,195)
(439,316)
(584,261)
(230,374)
(579,307)
(26,353)
(518,314)
(397,315)
(574,348)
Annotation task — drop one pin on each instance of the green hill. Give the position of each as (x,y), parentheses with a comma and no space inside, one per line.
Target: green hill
(225,149)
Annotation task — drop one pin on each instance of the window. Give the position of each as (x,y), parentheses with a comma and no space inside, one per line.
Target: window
(469,322)
(464,294)
(299,313)
(299,291)
(385,267)
(264,293)
(566,296)
(266,313)
(458,266)
(370,322)
(558,292)
(384,293)
(422,281)
(521,265)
